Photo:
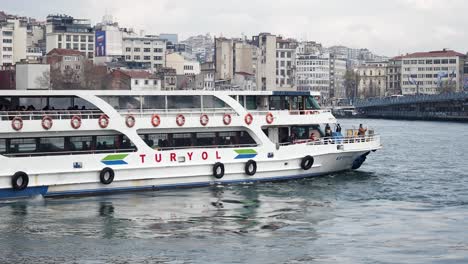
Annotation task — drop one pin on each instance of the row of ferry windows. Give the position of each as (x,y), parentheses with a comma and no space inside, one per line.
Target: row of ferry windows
(201,139)
(36,103)
(163,102)
(120,143)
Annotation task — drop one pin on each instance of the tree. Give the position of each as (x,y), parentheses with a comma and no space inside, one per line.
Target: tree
(351,82)
(43,81)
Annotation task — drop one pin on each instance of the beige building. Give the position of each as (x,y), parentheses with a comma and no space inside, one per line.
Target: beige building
(233,55)
(372,79)
(432,72)
(265,61)
(182,65)
(13,41)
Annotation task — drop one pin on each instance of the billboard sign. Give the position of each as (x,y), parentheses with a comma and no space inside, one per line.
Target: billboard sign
(100,47)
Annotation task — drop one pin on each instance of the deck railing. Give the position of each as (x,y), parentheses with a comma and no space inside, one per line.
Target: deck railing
(334,141)
(54,114)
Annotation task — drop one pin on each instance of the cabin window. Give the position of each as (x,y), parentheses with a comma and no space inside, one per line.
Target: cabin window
(311,103)
(206,139)
(80,143)
(154,102)
(2,145)
(52,144)
(23,145)
(210,101)
(123,102)
(182,140)
(106,142)
(228,138)
(251,102)
(184,102)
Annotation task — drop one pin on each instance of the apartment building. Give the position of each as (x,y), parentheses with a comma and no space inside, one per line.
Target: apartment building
(147,49)
(66,32)
(265,61)
(285,63)
(13,40)
(432,72)
(372,79)
(313,73)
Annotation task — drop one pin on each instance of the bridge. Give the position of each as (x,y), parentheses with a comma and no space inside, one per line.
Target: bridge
(447,107)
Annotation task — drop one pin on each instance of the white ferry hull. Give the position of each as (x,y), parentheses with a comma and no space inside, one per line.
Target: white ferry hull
(142,171)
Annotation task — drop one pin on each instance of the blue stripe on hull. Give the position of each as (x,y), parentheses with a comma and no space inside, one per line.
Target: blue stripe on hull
(114,162)
(28,192)
(245,156)
(32,191)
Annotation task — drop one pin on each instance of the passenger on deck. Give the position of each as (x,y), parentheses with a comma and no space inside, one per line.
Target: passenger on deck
(312,136)
(328,131)
(362,131)
(338,128)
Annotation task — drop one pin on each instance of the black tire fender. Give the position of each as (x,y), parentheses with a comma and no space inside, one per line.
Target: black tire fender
(218,170)
(250,167)
(106,176)
(307,162)
(25,181)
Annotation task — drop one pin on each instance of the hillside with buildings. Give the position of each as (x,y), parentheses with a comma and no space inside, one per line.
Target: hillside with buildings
(64,52)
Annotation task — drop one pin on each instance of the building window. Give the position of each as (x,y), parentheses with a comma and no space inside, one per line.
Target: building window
(83,38)
(68,46)
(77,67)
(75,46)
(90,38)
(136,57)
(68,37)
(7,41)
(146,82)
(157,58)
(146,50)
(75,38)
(147,58)
(128,57)
(136,49)
(128,49)
(136,82)
(453,61)
(445,61)
(59,37)
(157,50)
(60,45)
(83,46)
(436,61)
(90,46)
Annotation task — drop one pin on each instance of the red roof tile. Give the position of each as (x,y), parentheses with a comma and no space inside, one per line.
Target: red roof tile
(138,74)
(437,53)
(65,52)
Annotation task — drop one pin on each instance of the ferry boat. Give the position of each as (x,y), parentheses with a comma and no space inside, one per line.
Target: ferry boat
(60,143)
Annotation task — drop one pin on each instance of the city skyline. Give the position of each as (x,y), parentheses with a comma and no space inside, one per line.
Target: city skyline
(389,29)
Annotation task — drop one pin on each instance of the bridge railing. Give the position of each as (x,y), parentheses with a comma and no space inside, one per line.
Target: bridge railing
(410,99)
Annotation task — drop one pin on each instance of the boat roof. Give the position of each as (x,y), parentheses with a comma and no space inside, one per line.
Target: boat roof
(136,93)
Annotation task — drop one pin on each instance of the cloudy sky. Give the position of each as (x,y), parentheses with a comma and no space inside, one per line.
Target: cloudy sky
(385,27)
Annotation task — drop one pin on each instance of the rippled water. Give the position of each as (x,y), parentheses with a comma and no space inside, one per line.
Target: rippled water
(407,204)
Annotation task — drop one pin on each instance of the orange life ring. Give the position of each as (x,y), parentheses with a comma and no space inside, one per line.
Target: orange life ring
(155,120)
(269,118)
(248,118)
(103,121)
(130,121)
(227,119)
(204,119)
(75,122)
(47,122)
(17,123)
(180,120)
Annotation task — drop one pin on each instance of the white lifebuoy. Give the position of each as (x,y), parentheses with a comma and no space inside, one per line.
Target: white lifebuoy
(75,122)
(180,120)
(17,123)
(155,120)
(227,119)
(269,118)
(47,122)
(248,118)
(130,121)
(103,121)
(204,119)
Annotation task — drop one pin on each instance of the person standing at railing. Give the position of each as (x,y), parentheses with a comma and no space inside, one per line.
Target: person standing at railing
(328,131)
(362,131)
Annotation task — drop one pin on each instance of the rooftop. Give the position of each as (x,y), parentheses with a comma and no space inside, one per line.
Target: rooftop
(436,53)
(65,52)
